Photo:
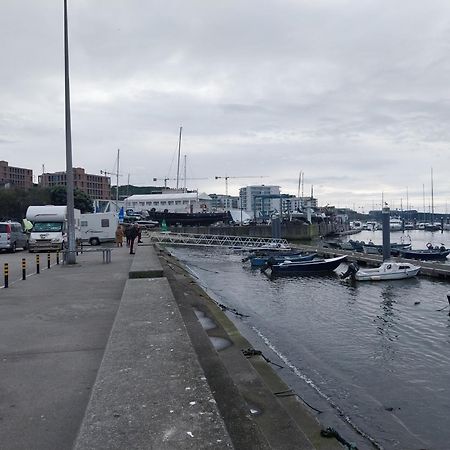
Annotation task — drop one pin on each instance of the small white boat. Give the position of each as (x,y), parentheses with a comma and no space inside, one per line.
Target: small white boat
(395,224)
(387,271)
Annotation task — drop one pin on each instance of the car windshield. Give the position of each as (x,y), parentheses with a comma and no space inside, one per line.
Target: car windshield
(47,226)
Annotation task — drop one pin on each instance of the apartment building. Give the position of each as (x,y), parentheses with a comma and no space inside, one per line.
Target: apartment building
(256,199)
(96,186)
(15,176)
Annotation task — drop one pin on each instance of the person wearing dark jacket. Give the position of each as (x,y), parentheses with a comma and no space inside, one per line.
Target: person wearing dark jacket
(134,232)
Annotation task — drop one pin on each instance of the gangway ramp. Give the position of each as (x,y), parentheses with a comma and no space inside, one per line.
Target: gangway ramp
(213,240)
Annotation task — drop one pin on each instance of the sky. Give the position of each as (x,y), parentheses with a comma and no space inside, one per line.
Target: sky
(353,93)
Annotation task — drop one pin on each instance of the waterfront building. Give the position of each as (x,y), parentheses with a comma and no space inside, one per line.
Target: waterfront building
(223,202)
(186,202)
(96,186)
(256,199)
(15,176)
(293,204)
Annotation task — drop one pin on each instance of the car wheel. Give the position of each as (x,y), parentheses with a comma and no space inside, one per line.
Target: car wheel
(94,241)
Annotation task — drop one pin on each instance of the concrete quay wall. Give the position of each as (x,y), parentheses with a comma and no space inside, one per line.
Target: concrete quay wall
(289,230)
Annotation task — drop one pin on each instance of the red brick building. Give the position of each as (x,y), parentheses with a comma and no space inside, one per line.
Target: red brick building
(15,176)
(96,186)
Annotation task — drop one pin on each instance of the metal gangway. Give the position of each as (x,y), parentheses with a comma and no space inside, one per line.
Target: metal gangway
(215,240)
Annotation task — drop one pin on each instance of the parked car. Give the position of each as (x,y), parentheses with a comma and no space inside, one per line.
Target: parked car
(12,236)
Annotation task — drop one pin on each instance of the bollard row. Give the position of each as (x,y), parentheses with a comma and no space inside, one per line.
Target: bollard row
(24,268)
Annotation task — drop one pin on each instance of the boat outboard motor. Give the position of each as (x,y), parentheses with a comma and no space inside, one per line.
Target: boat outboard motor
(351,271)
(270,262)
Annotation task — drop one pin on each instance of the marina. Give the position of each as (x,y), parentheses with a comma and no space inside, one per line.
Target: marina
(372,357)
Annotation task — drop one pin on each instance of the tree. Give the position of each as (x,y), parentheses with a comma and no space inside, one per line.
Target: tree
(81,200)
(14,202)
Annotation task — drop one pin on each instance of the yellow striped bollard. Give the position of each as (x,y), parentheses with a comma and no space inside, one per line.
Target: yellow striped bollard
(6,274)
(48,260)
(24,268)
(37,264)
(57,256)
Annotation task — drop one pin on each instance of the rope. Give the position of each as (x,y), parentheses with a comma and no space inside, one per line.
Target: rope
(332,433)
(249,352)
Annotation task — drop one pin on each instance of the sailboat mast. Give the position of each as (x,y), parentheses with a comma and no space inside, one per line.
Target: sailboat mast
(179,150)
(432,199)
(185,182)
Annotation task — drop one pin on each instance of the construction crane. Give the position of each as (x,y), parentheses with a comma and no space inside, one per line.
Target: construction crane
(226,179)
(173,179)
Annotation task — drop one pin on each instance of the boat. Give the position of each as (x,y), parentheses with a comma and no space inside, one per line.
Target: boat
(395,224)
(377,249)
(430,254)
(388,270)
(261,260)
(306,267)
(188,219)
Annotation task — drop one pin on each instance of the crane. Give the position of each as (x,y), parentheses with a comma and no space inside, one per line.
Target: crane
(226,179)
(166,179)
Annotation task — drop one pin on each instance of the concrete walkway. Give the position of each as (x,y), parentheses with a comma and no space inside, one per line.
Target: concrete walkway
(54,328)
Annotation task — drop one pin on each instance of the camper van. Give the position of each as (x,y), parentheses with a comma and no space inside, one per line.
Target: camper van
(49,230)
(98,227)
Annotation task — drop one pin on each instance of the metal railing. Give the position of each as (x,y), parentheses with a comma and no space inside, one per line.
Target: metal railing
(212,240)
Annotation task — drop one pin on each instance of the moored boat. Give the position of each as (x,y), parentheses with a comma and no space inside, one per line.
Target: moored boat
(430,254)
(260,260)
(377,249)
(388,270)
(306,267)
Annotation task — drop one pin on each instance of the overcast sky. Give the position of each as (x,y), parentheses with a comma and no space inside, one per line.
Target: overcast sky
(354,93)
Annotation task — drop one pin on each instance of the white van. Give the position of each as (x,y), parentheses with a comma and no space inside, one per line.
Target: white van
(49,230)
(98,227)
(12,236)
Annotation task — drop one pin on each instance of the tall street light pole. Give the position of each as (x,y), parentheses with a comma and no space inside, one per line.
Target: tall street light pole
(71,247)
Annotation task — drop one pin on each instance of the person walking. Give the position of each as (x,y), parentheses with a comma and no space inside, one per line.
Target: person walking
(127,234)
(119,236)
(134,232)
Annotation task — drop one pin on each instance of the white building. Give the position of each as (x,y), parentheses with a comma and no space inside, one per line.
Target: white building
(252,200)
(187,202)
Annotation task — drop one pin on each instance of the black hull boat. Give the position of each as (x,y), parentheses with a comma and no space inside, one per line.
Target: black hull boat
(307,267)
(425,255)
(188,219)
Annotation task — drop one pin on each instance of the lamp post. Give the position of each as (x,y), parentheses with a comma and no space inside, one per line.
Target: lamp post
(71,244)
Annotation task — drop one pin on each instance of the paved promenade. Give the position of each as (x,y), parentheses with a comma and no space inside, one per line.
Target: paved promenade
(117,356)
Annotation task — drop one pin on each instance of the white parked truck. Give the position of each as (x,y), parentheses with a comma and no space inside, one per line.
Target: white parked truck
(98,227)
(49,230)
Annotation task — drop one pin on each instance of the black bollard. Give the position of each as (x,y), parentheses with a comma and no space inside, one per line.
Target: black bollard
(448,298)
(48,260)
(24,268)
(37,264)
(6,274)
(57,257)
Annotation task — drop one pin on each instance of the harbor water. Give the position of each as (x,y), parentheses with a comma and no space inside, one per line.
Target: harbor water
(372,357)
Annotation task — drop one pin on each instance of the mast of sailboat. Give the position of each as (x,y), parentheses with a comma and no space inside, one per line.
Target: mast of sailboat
(423,198)
(179,150)
(432,199)
(185,182)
